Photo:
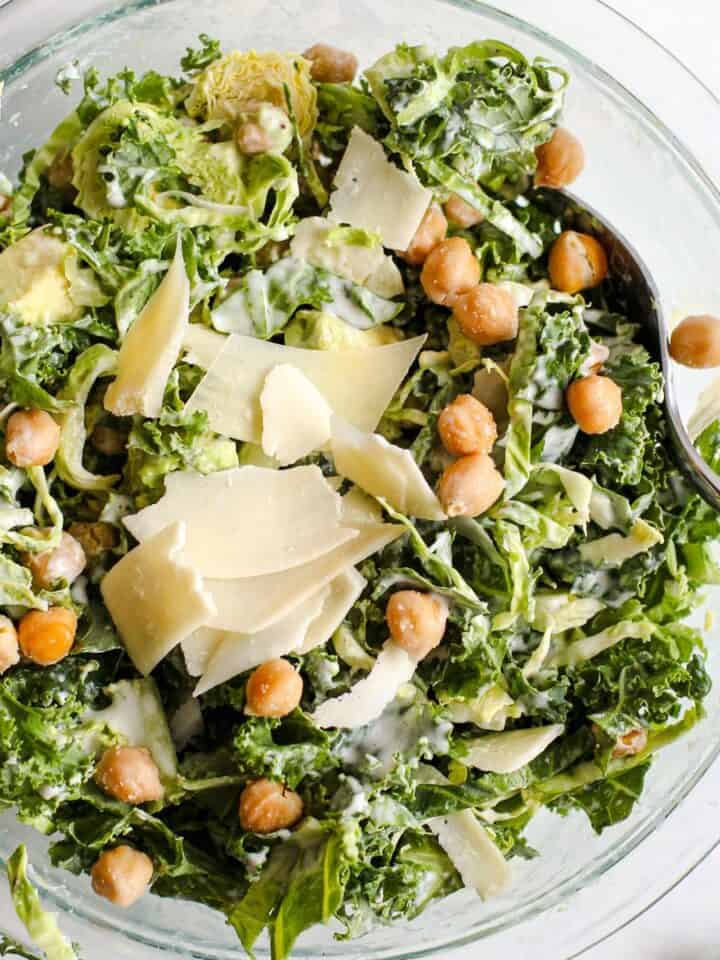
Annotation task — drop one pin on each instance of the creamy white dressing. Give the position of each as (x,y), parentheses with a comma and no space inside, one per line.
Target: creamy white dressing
(254,862)
(404,726)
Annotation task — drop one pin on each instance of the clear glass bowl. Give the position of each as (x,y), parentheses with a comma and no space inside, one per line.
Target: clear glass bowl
(644,176)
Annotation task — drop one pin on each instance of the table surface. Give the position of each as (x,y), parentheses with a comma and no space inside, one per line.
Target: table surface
(685,925)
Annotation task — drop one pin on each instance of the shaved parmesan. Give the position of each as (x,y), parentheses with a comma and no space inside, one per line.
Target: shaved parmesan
(366,265)
(248,521)
(359,509)
(614,550)
(469,846)
(155,600)
(344,591)
(201,345)
(251,604)
(369,697)
(508,751)
(374,194)
(151,347)
(383,470)
(198,648)
(236,653)
(358,384)
(295,415)
(476,858)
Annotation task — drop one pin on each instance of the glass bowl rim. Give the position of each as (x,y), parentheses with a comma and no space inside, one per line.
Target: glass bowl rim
(547,900)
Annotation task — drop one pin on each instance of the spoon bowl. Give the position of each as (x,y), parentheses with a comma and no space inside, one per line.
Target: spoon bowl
(637,291)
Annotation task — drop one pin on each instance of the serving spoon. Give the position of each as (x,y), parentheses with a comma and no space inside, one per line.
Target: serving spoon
(641,296)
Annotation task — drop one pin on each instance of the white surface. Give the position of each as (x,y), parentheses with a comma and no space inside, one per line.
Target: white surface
(685,925)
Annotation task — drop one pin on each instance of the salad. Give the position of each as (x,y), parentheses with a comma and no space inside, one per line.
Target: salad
(340,530)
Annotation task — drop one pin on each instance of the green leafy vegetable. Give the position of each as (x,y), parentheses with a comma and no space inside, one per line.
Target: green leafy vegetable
(266,300)
(41,925)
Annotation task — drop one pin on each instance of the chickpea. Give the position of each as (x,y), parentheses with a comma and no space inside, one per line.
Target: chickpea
(416,621)
(695,342)
(432,230)
(47,636)
(577,262)
(9,648)
(109,441)
(31,438)
(273,690)
(122,875)
(65,562)
(129,774)
(467,426)
(595,403)
(60,172)
(461,213)
(470,486)
(95,538)
(266,806)
(560,160)
(252,139)
(630,743)
(450,270)
(487,314)
(330,65)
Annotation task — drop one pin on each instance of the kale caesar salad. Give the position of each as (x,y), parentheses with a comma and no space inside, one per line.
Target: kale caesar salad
(340,530)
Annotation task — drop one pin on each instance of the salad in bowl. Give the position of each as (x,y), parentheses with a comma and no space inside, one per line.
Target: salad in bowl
(341,531)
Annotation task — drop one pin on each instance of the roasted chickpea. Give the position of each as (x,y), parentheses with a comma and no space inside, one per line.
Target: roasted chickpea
(273,690)
(266,806)
(65,562)
(467,426)
(595,403)
(577,262)
(109,441)
(122,875)
(47,636)
(432,229)
(95,538)
(461,213)
(470,486)
(630,743)
(9,647)
(487,314)
(416,621)
(559,161)
(450,270)
(252,139)
(31,438)
(129,774)
(330,65)
(695,342)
